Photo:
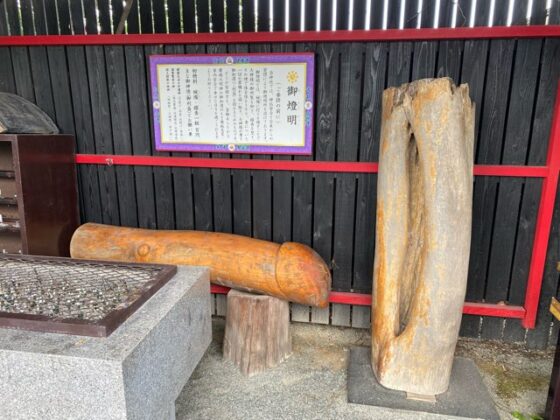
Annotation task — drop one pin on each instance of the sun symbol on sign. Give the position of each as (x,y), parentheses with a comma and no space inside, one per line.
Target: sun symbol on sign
(292,77)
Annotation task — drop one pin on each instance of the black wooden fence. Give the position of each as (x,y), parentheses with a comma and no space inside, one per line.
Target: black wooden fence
(101,95)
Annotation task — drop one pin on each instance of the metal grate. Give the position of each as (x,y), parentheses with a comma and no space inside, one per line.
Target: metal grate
(74,296)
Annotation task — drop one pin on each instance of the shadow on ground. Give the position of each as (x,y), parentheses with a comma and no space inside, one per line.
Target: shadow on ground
(311,384)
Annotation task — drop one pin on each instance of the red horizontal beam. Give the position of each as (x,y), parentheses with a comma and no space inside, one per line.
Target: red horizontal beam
(287,165)
(425,34)
(470,308)
(494,309)
(511,170)
(256,164)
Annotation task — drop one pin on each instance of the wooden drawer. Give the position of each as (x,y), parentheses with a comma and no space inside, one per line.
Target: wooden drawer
(6,158)
(8,187)
(9,212)
(10,243)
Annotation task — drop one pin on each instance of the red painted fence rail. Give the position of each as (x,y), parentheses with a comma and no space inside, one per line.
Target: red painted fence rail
(424,34)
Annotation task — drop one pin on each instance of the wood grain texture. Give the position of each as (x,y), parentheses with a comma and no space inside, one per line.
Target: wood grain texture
(289,271)
(257,335)
(422,240)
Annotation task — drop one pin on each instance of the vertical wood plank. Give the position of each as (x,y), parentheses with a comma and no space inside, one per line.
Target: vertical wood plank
(50,17)
(76,17)
(241,183)
(358,17)
(218,17)
(424,63)
(233,18)
(145,9)
(117,10)
(26,9)
(374,83)
(310,15)
(263,16)
(104,16)
(489,149)
(133,21)
(41,82)
(361,317)
(101,114)
(13,18)
(282,188)
(63,101)
(64,24)
(302,228)
(340,315)
(163,180)
(400,63)
(473,72)
(300,313)
(90,14)
(203,14)
(202,185)
(326,113)
(160,23)
(248,16)
(139,109)
(279,15)
(450,55)
(62,95)
(120,125)
(4,25)
(7,80)
(221,180)
(189,24)
(262,185)
(89,181)
(347,149)
(221,305)
(515,150)
(40,17)
(22,73)
(464,13)
(302,219)
(183,177)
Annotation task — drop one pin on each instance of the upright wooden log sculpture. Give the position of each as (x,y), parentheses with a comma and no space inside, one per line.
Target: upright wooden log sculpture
(424,210)
(290,271)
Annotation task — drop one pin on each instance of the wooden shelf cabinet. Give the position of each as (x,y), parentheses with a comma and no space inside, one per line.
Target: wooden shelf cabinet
(38,194)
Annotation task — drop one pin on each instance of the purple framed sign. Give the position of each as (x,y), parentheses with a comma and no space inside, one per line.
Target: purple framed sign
(233,103)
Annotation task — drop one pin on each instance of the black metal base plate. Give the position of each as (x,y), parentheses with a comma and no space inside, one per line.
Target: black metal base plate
(466,397)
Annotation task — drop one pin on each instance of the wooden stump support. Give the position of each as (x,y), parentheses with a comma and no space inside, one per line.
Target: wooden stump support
(257,335)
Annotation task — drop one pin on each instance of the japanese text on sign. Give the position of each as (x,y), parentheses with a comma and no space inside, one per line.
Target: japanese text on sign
(233,103)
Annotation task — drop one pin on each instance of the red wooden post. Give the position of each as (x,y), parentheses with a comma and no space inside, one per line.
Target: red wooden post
(544,221)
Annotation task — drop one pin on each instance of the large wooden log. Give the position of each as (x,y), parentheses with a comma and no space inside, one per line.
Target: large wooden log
(424,208)
(291,271)
(257,335)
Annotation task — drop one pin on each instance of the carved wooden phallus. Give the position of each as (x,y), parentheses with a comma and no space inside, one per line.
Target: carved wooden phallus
(291,271)
(424,212)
